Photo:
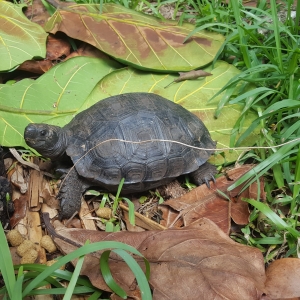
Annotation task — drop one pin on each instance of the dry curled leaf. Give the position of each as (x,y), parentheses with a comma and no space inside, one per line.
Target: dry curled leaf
(283,277)
(57,49)
(17,179)
(210,203)
(20,206)
(196,262)
(36,12)
(136,39)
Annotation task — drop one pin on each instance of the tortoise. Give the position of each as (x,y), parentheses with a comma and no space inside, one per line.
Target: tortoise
(95,140)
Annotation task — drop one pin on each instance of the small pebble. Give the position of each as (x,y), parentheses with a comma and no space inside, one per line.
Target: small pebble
(14,237)
(47,243)
(25,247)
(29,257)
(104,212)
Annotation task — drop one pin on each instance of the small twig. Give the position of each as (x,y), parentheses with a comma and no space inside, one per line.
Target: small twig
(53,233)
(194,74)
(71,218)
(19,158)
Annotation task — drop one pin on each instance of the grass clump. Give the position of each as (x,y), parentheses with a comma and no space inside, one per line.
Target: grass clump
(263,42)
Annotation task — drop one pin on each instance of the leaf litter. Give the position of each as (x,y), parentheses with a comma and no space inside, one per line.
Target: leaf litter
(210,203)
(194,260)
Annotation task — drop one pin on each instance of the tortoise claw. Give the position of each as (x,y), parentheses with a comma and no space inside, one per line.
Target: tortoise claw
(207,183)
(204,174)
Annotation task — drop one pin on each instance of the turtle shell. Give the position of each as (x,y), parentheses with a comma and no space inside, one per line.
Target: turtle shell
(99,157)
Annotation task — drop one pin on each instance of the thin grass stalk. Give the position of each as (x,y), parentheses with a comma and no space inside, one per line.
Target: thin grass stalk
(277,34)
(296,188)
(297,19)
(6,265)
(100,6)
(239,24)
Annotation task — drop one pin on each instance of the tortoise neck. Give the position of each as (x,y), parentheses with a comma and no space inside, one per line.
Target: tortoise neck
(57,144)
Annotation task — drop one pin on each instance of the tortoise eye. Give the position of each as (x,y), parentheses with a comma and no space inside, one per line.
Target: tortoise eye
(43,132)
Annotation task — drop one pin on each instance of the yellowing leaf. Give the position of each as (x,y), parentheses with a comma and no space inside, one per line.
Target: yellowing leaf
(191,94)
(20,39)
(53,98)
(137,39)
(78,83)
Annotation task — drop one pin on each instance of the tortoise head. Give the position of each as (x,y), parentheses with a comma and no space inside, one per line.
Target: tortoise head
(48,140)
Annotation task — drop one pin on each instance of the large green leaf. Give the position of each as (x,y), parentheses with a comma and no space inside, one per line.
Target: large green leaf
(137,39)
(191,94)
(53,98)
(77,84)
(20,39)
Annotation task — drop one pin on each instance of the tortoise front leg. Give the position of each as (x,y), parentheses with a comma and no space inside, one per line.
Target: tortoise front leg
(70,193)
(204,174)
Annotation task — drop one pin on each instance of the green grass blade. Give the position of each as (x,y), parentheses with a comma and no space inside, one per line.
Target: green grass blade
(86,249)
(209,25)
(252,93)
(59,274)
(62,291)
(6,265)
(296,187)
(73,281)
(277,34)
(297,19)
(95,295)
(242,37)
(270,214)
(264,166)
(269,241)
(18,286)
(278,175)
(138,273)
(286,103)
(246,75)
(131,211)
(141,278)
(293,128)
(116,202)
(107,276)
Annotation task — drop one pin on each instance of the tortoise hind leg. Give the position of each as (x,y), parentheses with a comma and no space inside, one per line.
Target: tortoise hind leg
(70,192)
(204,174)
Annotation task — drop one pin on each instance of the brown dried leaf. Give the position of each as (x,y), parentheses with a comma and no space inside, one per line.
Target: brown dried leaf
(137,39)
(57,49)
(208,203)
(20,206)
(36,12)
(196,262)
(90,51)
(36,66)
(17,179)
(49,198)
(283,277)
(169,216)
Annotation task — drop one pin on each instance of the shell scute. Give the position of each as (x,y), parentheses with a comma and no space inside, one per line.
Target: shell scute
(136,117)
